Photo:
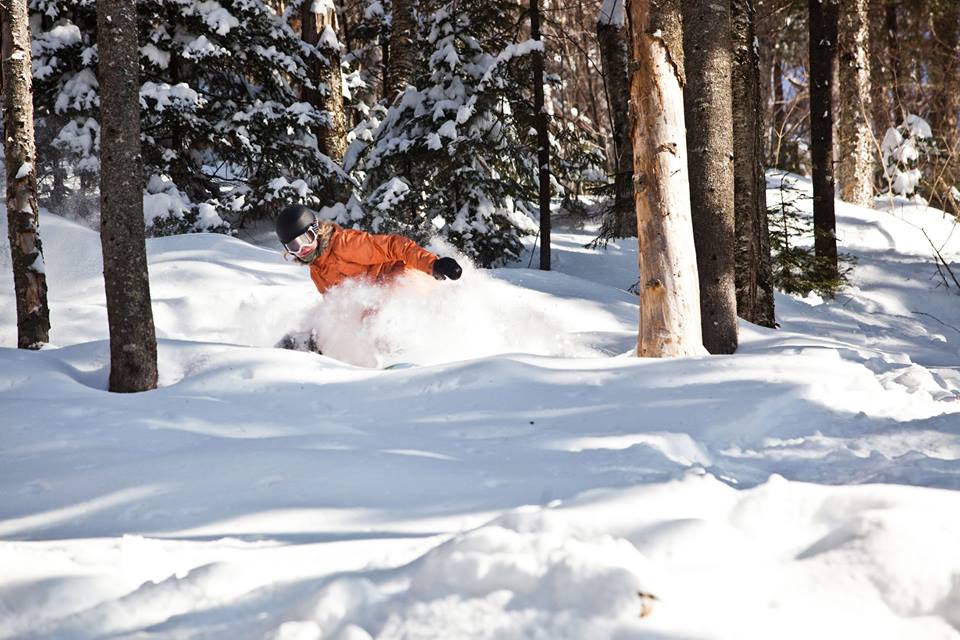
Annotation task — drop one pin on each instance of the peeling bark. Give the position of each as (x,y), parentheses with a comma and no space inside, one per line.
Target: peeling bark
(669,290)
(23,225)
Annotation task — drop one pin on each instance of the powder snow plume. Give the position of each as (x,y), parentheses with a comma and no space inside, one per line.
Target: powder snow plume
(419,320)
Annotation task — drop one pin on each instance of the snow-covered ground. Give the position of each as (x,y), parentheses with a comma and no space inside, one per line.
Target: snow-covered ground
(526,480)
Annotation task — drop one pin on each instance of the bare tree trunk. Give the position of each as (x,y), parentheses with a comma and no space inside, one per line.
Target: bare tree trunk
(881,75)
(708,109)
(543,138)
(320,30)
(944,70)
(891,26)
(785,153)
(669,290)
(754,270)
(945,74)
(612,38)
(857,151)
(823,56)
(23,223)
(133,342)
(402,49)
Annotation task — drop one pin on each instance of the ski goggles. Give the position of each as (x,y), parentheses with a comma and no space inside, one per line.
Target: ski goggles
(303,244)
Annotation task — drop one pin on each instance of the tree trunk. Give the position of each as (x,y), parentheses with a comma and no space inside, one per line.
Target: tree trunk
(133,343)
(320,30)
(23,223)
(403,49)
(612,39)
(891,26)
(669,290)
(754,271)
(857,151)
(881,75)
(785,151)
(944,69)
(543,138)
(708,109)
(823,57)
(945,74)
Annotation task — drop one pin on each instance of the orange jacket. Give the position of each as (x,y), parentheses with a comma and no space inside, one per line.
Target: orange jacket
(357,254)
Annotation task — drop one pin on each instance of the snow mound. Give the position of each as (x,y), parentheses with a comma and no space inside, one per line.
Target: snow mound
(522,491)
(526,574)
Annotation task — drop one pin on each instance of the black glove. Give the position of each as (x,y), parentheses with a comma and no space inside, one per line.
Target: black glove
(445,268)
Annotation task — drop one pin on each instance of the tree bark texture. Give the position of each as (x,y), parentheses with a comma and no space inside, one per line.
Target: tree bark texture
(543,139)
(708,112)
(881,75)
(403,49)
(613,42)
(23,225)
(669,289)
(857,148)
(824,15)
(754,274)
(133,343)
(327,93)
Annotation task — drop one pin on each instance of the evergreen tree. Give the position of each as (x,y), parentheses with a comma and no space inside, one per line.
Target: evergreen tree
(225,134)
(454,155)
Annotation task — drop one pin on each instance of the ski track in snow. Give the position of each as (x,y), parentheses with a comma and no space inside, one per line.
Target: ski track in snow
(527,479)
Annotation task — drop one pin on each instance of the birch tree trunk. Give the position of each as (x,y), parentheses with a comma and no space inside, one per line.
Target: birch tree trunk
(754,271)
(318,25)
(824,15)
(543,138)
(857,151)
(708,111)
(133,342)
(23,224)
(402,49)
(669,290)
(612,39)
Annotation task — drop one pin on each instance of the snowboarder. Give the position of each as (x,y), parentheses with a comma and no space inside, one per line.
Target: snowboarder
(335,254)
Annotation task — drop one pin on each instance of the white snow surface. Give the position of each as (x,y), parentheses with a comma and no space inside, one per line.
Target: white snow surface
(526,480)
(24,170)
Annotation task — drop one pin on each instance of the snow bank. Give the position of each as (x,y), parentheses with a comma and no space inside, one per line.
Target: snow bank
(519,483)
(871,561)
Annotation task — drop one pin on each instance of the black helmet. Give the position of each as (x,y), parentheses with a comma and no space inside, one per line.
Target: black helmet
(293,221)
